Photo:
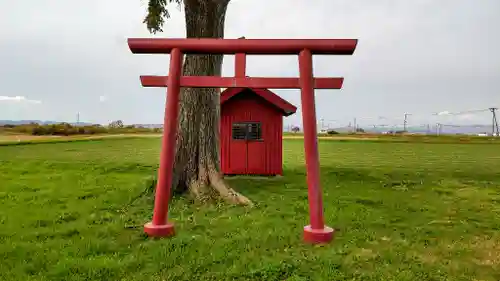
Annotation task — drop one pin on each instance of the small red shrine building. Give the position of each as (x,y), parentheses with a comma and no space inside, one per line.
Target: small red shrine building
(251,131)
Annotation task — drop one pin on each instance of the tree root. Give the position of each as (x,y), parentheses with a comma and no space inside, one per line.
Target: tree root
(227,193)
(214,187)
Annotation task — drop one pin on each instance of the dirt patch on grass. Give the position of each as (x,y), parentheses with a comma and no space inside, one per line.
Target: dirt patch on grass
(364,254)
(486,251)
(11,138)
(481,250)
(427,257)
(361,256)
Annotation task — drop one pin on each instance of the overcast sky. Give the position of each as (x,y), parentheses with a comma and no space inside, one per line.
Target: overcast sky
(58,58)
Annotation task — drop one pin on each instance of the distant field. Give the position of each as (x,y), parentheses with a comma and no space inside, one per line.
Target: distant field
(16,139)
(402,138)
(6,139)
(406,211)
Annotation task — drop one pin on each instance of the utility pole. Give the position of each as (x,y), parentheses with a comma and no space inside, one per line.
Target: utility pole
(406,121)
(494,124)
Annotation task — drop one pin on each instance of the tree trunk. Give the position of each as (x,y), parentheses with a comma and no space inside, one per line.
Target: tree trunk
(197,164)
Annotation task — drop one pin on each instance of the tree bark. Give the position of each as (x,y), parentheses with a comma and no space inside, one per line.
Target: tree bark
(197,164)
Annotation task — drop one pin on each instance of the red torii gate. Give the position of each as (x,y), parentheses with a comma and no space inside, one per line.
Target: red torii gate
(316,232)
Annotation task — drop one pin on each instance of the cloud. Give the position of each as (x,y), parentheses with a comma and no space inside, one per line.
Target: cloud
(103,98)
(443,113)
(467,117)
(18,99)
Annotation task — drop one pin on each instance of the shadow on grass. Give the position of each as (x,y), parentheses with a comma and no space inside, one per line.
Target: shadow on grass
(293,183)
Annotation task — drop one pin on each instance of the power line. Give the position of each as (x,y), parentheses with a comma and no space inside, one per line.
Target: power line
(469,111)
(422,118)
(445,113)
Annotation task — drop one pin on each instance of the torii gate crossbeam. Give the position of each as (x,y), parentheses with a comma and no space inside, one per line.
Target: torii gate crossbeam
(316,232)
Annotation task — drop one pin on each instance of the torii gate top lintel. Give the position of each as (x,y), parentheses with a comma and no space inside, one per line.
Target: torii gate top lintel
(247,46)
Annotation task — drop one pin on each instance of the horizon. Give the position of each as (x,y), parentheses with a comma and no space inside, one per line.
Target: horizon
(428,128)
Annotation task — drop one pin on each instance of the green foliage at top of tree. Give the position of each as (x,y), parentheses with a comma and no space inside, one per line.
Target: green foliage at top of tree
(332,132)
(116,124)
(157,13)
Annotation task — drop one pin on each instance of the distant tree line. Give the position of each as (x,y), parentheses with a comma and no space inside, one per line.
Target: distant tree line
(66,129)
(296,129)
(357,131)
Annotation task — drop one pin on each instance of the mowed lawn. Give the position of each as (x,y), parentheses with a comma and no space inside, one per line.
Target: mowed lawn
(405,211)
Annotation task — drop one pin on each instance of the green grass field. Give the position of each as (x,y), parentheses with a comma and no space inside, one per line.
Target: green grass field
(406,211)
